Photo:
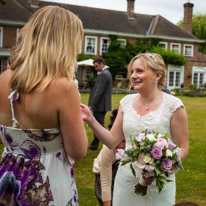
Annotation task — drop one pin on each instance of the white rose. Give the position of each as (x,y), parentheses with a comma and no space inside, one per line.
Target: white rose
(151,137)
(159,135)
(147,159)
(168,153)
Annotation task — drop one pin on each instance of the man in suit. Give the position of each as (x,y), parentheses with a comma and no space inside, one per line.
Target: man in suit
(100,96)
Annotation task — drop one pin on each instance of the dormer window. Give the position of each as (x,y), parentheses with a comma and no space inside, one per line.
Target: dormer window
(175,47)
(188,50)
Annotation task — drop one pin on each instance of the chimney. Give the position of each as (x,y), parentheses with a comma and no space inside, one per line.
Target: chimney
(187,21)
(130,9)
(34,3)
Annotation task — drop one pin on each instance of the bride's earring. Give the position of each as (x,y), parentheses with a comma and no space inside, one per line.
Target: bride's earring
(156,81)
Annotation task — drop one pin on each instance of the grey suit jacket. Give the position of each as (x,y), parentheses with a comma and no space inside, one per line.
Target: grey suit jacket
(100,95)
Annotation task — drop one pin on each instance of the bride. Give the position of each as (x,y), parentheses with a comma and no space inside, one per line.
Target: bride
(150,109)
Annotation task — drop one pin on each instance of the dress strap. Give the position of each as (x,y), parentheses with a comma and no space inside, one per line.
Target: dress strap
(14,96)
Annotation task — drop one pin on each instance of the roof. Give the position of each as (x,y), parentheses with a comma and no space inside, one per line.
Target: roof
(105,21)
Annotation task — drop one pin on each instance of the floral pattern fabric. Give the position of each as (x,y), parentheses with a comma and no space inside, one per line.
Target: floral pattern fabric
(35,170)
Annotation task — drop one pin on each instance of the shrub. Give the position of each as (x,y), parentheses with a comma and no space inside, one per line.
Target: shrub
(193,86)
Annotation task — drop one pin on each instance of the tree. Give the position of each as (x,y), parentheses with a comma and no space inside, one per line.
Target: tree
(198,29)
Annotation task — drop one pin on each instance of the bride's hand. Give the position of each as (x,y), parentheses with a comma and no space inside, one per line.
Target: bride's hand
(86,114)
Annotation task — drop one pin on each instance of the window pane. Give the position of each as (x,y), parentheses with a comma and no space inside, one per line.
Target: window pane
(195,76)
(87,73)
(201,79)
(90,46)
(105,45)
(175,47)
(162,45)
(188,50)
(177,80)
(171,79)
(122,43)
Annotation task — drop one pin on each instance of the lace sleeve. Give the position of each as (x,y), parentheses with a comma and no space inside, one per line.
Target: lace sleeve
(126,100)
(174,103)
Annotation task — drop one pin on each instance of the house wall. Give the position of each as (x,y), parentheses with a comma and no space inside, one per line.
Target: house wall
(9,40)
(9,36)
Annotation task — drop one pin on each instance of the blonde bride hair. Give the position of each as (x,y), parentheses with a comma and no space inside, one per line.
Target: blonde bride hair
(46,49)
(153,61)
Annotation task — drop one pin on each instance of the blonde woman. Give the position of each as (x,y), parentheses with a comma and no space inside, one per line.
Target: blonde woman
(149,109)
(40,123)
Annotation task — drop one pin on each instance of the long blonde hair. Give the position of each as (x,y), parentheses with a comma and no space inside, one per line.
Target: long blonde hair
(46,48)
(155,62)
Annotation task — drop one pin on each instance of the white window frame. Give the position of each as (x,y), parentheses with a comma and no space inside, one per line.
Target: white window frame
(123,42)
(101,44)
(95,46)
(1,36)
(172,68)
(176,44)
(163,43)
(199,70)
(192,50)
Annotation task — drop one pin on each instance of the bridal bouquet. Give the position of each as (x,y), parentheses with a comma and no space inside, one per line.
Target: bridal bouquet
(156,155)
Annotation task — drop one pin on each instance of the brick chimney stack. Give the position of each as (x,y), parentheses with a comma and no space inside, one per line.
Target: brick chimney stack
(34,3)
(130,8)
(187,21)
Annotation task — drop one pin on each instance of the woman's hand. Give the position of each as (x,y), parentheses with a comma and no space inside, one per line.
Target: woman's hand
(86,114)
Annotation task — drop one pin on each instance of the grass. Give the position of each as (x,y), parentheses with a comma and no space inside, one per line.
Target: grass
(191,183)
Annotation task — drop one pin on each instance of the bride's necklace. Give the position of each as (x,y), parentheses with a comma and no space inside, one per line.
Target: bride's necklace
(147,106)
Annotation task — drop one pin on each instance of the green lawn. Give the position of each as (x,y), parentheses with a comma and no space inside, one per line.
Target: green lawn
(191,183)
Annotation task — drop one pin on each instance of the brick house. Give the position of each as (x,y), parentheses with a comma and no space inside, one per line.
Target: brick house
(127,26)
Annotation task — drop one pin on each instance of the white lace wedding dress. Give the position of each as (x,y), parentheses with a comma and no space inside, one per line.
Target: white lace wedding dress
(133,124)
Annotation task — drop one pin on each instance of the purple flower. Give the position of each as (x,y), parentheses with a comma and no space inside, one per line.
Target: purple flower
(166,164)
(171,145)
(156,153)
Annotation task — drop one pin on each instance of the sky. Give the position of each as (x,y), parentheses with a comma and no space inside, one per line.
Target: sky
(172,10)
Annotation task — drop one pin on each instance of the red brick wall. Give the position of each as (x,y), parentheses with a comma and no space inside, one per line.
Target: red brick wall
(9,36)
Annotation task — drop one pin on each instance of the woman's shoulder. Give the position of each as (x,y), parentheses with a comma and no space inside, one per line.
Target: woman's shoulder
(6,75)
(62,86)
(128,98)
(173,102)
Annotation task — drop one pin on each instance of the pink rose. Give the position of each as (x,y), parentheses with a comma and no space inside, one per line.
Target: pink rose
(161,143)
(171,145)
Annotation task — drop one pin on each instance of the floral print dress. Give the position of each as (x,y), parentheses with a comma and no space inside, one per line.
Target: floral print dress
(34,168)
